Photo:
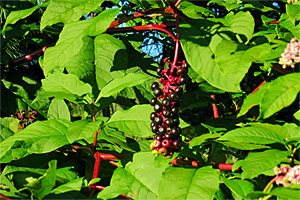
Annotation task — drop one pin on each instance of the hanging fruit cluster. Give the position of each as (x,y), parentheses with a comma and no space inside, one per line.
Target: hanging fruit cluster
(165,119)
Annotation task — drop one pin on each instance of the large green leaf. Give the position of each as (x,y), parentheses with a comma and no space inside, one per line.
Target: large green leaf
(286,193)
(58,109)
(70,40)
(121,83)
(281,93)
(74,185)
(15,16)
(43,185)
(188,183)
(243,145)
(67,11)
(292,10)
(240,23)
(139,177)
(65,83)
(253,135)
(199,44)
(286,22)
(195,12)
(240,188)
(83,129)
(197,141)
(39,137)
(234,58)
(110,59)
(257,163)
(274,96)
(82,63)
(134,121)
(8,126)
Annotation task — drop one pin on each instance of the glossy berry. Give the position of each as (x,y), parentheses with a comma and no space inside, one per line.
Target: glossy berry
(153,115)
(174,96)
(156,144)
(181,71)
(159,70)
(182,81)
(175,110)
(163,151)
(176,121)
(179,91)
(157,92)
(158,107)
(165,143)
(176,130)
(166,103)
(154,127)
(158,120)
(169,122)
(158,136)
(162,129)
(153,101)
(154,85)
(155,153)
(166,113)
(169,136)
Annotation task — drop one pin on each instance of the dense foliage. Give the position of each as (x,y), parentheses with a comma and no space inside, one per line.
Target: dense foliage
(86,99)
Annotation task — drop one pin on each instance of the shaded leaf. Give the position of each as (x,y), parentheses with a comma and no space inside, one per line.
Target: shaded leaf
(74,185)
(196,141)
(239,187)
(58,109)
(257,163)
(67,11)
(43,185)
(134,121)
(70,45)
(200,183)
(33,138)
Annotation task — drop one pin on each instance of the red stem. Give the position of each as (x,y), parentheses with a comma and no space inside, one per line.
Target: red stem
(4,197)
(177,3)
(97,164)
(215,108)
(258,86)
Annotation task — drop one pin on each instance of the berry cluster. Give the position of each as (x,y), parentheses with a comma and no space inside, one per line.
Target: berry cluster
(287,175)
(165,119)
(291,54)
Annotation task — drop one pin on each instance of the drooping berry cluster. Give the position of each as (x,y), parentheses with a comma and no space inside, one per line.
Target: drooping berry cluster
(287,175)
(165,119)
(291,54)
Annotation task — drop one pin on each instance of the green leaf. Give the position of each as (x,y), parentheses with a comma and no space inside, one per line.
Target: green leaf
(15,16)
(139,176)
(257,163)
(8,126)
(199,46)
(286,22)
(134,121)
(233,58)
(82,63)
(39,137)
(239,187)
(297,115)
(188,183)
(197,141)
(286,193)
(74,185)
(253,135)
(241,23)
(280,93)
(195,12)
(112,191)
(71,39)
(58,109)
(110,59)
(83,129)
(121,83)
(43,185)
(292,10)
(66,83)
(67,11)
(244,146)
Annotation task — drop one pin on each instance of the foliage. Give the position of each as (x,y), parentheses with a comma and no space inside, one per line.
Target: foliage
(95,80)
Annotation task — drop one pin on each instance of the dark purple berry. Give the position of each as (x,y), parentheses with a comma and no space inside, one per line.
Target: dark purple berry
(166,103)
(169,122)
(182,81)
(174,96)
(154,85)
(166,113)
(175,110)
(153,101)
(157,92)
(176,121)
(179,91)
(169,136)
(181,71)
(158,120)
(162,129)
(159,70)
(158,107)
(154,127)
(153,115)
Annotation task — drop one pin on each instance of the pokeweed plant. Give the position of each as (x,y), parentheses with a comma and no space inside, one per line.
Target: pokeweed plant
(238,107)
